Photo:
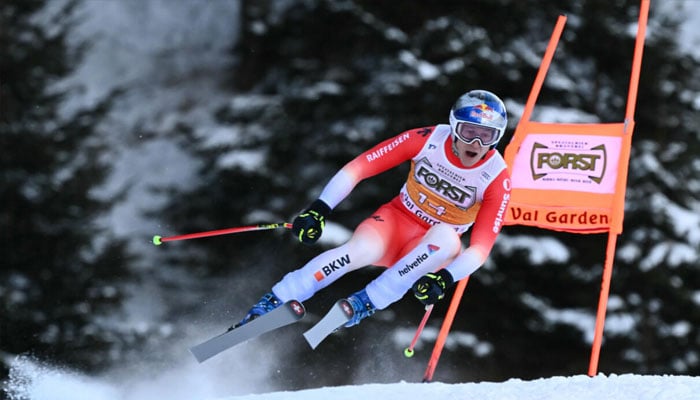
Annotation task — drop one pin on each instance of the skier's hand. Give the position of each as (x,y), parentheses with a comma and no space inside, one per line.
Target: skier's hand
(308,226)
(430,288)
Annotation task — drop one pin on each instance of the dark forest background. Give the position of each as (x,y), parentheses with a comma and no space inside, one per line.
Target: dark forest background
(314,83)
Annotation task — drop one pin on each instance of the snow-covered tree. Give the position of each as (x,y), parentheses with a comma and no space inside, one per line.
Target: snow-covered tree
(60,271)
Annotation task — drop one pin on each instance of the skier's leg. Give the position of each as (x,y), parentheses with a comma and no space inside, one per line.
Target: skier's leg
(365,247)
(440,245)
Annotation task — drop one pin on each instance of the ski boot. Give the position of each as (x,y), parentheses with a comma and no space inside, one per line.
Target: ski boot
(266,304)
(362,307)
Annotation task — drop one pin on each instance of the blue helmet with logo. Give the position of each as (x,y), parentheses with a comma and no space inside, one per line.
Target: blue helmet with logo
(479,115)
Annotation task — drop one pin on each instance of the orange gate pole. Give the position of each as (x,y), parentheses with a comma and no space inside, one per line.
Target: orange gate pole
(621,185)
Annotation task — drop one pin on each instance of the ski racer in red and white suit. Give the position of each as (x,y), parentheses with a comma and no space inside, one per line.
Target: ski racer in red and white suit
(457,181)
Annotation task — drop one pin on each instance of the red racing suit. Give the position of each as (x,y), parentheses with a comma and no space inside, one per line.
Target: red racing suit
(439,190)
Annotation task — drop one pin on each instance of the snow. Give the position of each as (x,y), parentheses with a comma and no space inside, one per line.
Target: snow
(540,249)
(689,40)
(30,380)
(167,70)
(577,387)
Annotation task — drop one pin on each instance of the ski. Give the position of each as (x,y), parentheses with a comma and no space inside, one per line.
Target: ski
(339,315)
(283,315)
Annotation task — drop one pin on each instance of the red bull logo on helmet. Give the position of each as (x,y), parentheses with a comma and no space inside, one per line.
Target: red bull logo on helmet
(483,112)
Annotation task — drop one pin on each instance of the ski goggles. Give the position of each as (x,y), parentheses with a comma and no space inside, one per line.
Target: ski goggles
(469,132)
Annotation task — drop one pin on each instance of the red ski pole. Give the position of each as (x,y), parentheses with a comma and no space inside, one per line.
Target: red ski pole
(408,351)
(158,240)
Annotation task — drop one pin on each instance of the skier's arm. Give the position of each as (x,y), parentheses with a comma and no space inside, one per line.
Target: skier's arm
(308,226)
(485,230)
(376,160)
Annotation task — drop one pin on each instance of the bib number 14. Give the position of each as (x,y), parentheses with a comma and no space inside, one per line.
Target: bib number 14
(422,198)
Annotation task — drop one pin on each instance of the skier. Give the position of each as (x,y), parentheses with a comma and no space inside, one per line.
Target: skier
(457,180)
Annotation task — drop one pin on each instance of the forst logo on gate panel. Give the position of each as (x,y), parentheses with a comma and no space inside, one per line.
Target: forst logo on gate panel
(590,163)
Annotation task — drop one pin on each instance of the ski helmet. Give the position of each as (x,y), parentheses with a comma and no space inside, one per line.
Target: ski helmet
(479,115)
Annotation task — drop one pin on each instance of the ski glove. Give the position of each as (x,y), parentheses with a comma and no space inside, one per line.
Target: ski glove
(308,225)
(431,287)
